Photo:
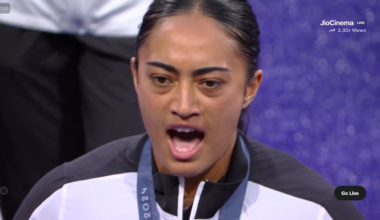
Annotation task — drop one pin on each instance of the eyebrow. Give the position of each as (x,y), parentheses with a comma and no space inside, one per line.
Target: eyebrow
(200,71)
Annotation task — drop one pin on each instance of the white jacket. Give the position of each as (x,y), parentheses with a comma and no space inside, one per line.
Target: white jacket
(103,185)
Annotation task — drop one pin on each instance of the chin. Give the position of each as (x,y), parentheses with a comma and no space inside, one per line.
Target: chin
(185,169)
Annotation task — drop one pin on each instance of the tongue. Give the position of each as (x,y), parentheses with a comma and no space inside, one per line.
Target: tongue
(185,145)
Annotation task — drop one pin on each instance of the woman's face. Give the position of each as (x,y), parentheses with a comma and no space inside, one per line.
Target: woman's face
(191,89)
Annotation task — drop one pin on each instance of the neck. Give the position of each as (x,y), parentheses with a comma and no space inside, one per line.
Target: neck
(213,174)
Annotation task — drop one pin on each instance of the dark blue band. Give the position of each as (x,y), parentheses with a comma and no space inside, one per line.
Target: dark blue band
(145,189)
(231,210)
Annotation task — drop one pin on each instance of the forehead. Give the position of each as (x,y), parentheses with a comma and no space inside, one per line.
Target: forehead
(190,38)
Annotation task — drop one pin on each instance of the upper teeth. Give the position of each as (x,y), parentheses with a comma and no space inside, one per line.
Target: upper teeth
(184,130)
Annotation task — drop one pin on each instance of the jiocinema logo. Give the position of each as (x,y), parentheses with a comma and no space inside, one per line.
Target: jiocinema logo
(335,23)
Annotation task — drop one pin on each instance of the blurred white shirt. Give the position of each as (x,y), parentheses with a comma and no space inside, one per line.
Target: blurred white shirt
(94,17)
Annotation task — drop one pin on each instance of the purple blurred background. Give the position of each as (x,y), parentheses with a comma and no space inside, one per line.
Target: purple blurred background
(320,96)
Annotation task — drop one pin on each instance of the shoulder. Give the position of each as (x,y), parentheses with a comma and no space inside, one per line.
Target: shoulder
(282,173)
(278,170)
(118,157)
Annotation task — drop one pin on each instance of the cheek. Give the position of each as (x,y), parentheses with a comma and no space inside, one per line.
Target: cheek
(147,99)
(224,111)
(150,105)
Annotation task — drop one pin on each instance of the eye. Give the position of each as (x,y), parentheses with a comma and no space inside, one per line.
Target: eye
(161,81)
(210,84)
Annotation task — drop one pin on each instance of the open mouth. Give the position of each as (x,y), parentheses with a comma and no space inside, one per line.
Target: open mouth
(185,134)
(185,142)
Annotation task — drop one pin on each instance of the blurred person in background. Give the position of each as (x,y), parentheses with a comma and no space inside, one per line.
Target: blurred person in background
(65,85)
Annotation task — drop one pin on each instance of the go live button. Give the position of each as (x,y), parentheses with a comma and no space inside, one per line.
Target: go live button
(350,193)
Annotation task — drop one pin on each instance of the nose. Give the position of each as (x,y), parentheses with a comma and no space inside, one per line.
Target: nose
(185,102)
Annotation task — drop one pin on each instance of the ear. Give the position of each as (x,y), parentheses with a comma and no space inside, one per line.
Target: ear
(252,88)
(134,73)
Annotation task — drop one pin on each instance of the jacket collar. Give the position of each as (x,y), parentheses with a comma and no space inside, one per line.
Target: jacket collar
(213,196)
